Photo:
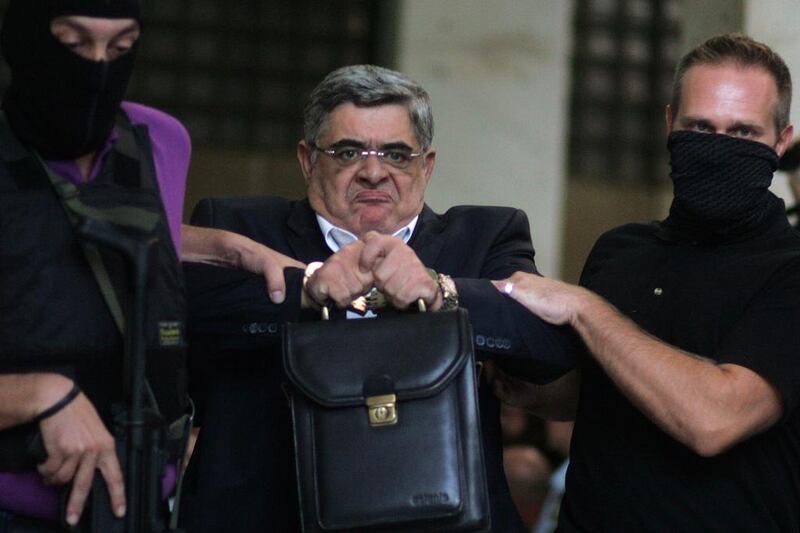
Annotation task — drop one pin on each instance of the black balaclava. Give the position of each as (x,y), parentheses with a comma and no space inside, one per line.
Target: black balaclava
(720,184)
(58,102)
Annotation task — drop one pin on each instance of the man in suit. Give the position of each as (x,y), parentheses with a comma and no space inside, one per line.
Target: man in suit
(367,158)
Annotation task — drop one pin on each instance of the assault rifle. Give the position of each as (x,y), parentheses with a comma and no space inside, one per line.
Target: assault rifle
(139,429)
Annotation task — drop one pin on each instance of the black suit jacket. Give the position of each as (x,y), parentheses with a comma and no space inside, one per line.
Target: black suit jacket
(241,477)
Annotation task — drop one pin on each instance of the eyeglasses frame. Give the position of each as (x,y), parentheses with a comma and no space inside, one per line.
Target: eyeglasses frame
(363,154)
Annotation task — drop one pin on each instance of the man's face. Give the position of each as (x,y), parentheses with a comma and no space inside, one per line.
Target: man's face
(730,100)
(96,39)
(369,194)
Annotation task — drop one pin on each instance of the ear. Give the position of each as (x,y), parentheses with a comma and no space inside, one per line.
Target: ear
(668,118)
(784,140)
(304,152)
(428,162)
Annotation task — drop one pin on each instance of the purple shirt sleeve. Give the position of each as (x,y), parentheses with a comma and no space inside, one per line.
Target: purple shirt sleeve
(171,152)
(25,493)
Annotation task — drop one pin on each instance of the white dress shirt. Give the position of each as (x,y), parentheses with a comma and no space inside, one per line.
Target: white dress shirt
(336,237)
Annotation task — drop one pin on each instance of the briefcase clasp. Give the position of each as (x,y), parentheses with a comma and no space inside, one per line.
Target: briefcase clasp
(382,410)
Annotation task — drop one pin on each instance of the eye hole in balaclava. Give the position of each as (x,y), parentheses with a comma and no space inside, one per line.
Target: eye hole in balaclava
(58,102)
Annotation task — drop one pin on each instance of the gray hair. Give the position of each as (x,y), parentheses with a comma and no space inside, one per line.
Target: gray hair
(368,86)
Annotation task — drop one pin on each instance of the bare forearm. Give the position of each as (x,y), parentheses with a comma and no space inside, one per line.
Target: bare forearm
(215,246)
(706,406)
(228,249)
(75,439)
(23,396)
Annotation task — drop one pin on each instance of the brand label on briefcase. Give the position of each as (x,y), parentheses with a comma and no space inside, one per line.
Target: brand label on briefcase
(429,498)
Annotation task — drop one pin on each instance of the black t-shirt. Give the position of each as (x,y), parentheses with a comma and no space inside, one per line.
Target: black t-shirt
(737,303)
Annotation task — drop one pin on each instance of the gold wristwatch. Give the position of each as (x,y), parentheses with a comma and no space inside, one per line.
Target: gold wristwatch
(447,288)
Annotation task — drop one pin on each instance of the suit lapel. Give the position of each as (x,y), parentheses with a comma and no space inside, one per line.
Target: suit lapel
(426,241)
(303,234)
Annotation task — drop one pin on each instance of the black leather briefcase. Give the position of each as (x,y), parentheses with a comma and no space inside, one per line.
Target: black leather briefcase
(386,424)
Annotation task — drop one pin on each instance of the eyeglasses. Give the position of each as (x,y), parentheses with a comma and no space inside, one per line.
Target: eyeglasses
(347,156)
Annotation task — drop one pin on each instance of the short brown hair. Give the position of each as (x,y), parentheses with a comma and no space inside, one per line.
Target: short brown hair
(742,51)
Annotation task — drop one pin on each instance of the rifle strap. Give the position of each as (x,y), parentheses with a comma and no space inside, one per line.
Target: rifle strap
(76,210)
(124,216)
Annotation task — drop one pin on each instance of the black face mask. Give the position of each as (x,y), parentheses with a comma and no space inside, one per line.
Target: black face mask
(720,183)
(58,102)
